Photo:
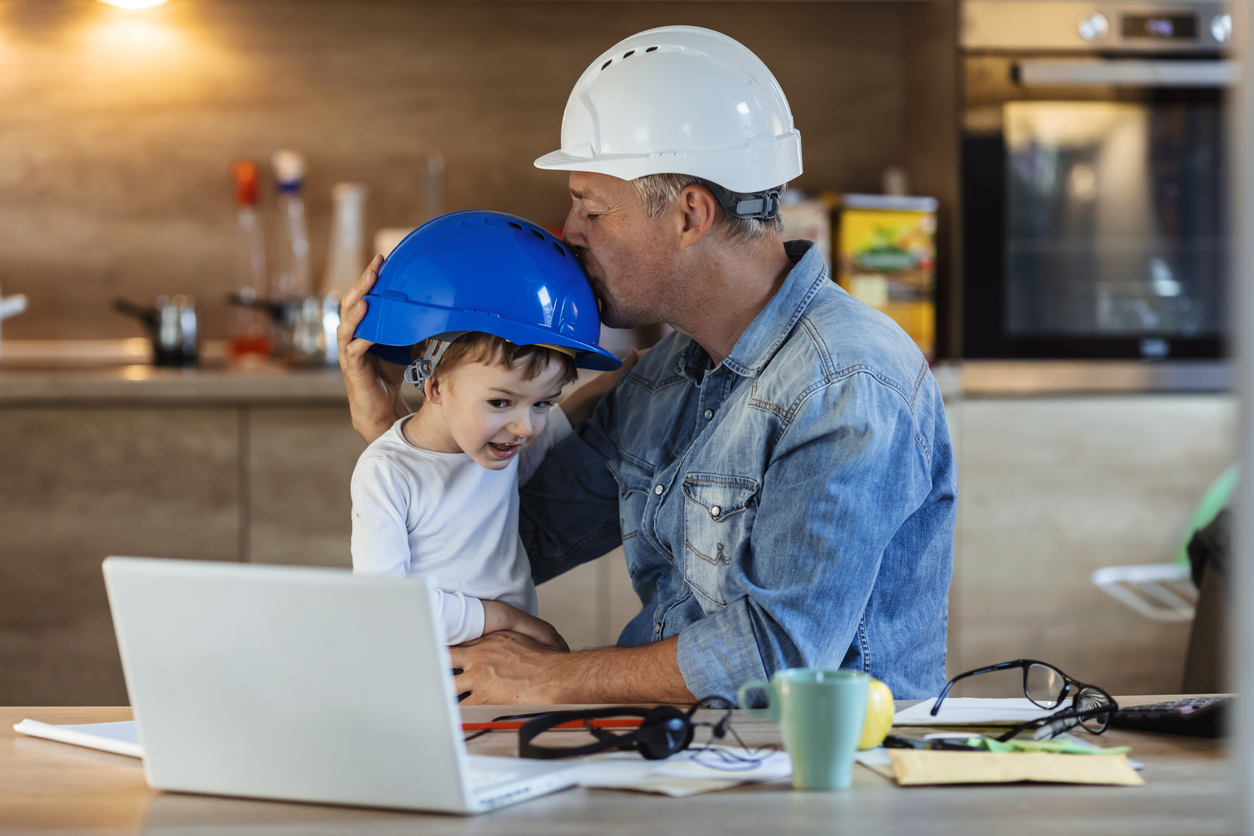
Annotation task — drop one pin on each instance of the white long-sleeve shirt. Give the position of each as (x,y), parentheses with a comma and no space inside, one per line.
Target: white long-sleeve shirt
(416,511)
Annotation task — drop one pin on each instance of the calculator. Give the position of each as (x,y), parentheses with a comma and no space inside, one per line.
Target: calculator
(1194,716)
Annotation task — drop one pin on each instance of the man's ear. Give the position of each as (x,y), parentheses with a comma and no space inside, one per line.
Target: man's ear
(699,208)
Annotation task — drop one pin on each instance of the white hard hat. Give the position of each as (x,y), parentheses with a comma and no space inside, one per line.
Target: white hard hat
(681,100)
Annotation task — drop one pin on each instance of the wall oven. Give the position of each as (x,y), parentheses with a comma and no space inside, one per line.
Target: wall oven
(1095,212)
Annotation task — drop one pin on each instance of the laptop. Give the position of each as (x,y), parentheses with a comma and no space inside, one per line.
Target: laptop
(301,684)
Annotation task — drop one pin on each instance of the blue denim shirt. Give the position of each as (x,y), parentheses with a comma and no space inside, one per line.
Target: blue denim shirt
(792,506)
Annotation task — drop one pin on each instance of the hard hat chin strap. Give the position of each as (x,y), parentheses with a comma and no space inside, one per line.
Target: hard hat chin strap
(760,206)
(424,366)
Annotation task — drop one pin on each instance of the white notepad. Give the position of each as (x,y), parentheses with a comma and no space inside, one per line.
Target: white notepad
(971,711)
(119,738)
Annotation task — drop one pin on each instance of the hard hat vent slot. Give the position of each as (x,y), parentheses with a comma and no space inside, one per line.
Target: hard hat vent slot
(538,234)
(515,226)
(651,49)
(560,249)
(629,54)
(607,63)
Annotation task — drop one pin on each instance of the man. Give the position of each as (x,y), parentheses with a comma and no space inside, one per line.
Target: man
(778,471)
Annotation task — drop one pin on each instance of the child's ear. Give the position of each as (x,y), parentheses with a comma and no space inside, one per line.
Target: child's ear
(431,389)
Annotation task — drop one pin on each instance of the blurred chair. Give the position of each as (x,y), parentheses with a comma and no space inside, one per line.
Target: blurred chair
(1166,591)
(1192,587)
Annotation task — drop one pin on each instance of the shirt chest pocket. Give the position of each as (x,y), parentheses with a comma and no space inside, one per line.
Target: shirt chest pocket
(634,483)
(718,517)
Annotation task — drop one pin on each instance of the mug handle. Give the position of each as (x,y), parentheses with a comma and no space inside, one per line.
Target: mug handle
(771,712)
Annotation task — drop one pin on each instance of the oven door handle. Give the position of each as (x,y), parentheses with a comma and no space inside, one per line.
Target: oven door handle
(1131,73)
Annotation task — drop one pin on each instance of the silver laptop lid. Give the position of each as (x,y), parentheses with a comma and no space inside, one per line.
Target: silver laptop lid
(285,682)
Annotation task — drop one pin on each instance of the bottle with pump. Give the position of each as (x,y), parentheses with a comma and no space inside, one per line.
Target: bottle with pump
(249,339)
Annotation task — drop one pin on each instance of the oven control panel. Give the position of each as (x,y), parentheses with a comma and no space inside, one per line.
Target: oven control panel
(1182,26)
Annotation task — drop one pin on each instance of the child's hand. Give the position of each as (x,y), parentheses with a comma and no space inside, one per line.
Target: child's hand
(498,615)
(579,404)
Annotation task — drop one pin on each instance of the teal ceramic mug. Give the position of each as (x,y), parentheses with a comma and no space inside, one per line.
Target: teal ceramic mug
(820,714)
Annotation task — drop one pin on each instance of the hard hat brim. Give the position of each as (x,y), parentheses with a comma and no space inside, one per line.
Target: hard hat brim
(741,169)
(413,323)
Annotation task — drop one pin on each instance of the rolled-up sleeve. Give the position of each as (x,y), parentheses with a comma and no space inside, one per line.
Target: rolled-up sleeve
(846,475)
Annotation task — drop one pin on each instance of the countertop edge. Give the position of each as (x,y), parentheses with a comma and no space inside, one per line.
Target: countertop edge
(144,384)
(1027,378)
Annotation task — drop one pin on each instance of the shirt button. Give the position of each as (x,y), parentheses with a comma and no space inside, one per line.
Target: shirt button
(657,490)
(657,628)
(715,511)
(709,414)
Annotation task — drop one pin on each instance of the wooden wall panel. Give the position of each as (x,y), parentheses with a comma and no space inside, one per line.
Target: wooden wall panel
(118,127)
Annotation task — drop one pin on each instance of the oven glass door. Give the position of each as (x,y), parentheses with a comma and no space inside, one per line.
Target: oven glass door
(1098,228)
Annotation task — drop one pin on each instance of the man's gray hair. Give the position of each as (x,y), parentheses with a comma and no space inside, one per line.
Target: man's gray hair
(660,190)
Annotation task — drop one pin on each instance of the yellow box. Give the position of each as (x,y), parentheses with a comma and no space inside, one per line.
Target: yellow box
(886,257)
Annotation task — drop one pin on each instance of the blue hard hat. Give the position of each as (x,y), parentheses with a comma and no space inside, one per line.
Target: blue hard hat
(489,272)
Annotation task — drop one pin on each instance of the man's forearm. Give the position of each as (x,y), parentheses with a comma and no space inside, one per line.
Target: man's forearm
(507,668)
(649,673)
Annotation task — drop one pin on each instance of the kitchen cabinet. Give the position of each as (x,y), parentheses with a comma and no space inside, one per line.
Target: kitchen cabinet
(227,467)
(78,484)
(209,466)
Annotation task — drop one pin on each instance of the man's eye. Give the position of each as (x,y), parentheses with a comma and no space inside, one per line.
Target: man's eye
(590,216)
(544,406)
(498,403)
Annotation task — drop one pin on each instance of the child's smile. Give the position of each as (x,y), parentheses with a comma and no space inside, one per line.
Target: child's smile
(505,451)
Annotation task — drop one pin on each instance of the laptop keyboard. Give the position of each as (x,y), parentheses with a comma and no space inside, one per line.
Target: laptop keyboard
(485,775)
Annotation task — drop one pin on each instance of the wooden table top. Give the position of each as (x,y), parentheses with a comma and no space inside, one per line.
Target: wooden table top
(47,786)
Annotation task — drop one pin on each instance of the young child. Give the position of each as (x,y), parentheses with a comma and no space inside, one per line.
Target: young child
(437,493)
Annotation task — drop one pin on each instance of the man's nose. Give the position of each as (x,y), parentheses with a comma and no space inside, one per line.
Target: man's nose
(573,234)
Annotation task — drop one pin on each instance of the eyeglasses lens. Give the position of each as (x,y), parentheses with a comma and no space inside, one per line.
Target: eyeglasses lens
(1044,685)
(1092,698)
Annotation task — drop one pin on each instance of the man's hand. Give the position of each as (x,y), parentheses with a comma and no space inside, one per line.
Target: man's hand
(579,404)
(509,668)
(506,668)
(374,385)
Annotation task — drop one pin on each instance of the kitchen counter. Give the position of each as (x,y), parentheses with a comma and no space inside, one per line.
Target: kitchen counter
(113,371)
(1090,377)
(120,370)
(146,384)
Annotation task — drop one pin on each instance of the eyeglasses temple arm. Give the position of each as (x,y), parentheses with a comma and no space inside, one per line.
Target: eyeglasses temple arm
(1018,663)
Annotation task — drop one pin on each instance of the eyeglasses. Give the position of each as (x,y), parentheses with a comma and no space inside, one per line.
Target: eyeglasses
(1047,687)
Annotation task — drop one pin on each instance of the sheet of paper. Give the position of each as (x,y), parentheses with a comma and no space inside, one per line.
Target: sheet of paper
(878,761)
(120,738)
(971,711)
(684,774)
(914,767)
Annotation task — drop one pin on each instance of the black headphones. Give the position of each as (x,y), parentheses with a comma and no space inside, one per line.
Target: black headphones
(663,731)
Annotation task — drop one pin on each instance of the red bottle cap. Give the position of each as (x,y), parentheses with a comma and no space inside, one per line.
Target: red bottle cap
(245,173)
